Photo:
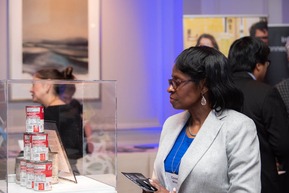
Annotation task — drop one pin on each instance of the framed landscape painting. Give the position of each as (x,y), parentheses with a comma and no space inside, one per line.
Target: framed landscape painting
(53,34)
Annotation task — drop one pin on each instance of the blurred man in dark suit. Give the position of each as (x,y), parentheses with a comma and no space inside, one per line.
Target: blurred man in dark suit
(283,86)
(248,57)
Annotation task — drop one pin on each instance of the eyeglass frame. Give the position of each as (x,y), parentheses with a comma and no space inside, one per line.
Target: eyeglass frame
(175,85)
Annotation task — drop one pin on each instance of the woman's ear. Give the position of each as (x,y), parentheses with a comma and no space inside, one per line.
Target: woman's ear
(47,87)
(204,90)
(203,86)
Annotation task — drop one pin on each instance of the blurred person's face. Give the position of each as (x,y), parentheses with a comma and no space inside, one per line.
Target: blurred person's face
(263,35)
(184,93)
(38,91)
(206,42)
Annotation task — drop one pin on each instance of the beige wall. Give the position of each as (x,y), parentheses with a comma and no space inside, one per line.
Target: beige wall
(139,41)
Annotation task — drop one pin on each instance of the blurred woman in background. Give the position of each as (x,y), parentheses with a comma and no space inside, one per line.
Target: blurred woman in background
(68,121)
(207,40)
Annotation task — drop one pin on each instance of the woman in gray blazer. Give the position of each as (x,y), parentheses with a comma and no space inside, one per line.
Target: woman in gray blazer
(210,147)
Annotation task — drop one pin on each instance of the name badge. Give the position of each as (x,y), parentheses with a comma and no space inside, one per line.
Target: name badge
(172,181)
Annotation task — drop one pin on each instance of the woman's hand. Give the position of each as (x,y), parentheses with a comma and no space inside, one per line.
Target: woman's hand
(160,188)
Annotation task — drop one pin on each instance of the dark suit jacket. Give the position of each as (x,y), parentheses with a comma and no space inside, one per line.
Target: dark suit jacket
(264,105)
(283,88)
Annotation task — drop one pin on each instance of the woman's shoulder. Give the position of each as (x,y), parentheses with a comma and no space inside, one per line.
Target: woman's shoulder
(237,121)
(58,108)
(234,116)
(238,127)
(178,116)
(176,119)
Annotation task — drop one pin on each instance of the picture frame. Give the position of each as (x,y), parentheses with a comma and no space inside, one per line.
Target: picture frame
(16,42)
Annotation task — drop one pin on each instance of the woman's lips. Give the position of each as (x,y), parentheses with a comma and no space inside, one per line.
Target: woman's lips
(172,99)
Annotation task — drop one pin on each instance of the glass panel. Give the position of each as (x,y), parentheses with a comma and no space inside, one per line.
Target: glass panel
(3,138)
(85,123)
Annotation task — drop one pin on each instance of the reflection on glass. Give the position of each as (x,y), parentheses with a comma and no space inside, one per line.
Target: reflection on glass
(98,103)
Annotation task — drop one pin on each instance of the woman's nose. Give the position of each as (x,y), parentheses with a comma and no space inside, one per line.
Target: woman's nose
(170,88)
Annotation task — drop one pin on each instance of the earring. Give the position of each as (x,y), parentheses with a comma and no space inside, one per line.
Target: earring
(203,100)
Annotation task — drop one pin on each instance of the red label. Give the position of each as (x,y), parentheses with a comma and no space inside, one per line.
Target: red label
(41,186)
(42,157)
(43,168)
(37,111)
(40,139)
(48,170)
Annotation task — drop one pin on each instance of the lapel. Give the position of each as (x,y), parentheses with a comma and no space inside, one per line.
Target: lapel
(175,127)
(201,143)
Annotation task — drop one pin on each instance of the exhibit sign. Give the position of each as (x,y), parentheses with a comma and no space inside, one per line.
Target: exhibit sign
(279,68)
(225,28)
(56,146)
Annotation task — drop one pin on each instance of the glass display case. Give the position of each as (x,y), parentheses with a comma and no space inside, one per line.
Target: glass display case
(73,143)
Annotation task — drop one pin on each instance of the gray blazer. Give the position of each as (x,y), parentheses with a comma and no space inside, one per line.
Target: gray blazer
(224,157)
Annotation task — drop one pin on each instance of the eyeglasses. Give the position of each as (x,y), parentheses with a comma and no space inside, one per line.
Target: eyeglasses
(267,63)
(176,83)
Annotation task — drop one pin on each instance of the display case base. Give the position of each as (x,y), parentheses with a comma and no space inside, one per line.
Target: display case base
(84,185)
